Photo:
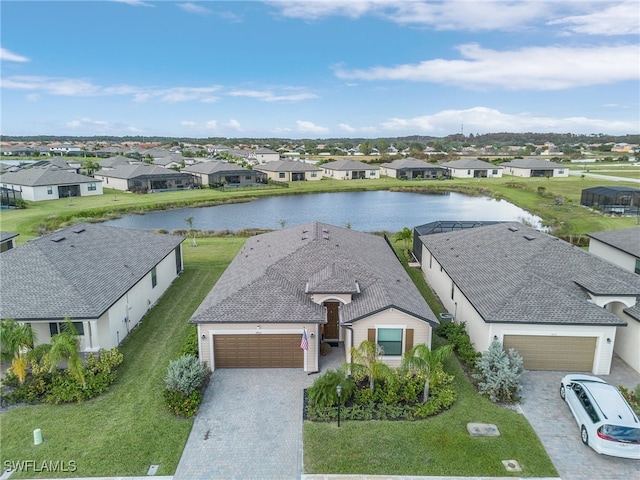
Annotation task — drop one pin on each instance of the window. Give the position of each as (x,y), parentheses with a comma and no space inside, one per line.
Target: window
(494,172)
(91,187)
(154,278)
(57,327)
(49,190)
(281,175)
(390,339)
(638,266)
(314,174)
(561,171)
(178,252)
(372,173)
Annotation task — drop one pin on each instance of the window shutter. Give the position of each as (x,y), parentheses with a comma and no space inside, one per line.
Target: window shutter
(371,335)
(409,339)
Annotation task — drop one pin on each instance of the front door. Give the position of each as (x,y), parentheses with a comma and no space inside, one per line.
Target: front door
(331,328)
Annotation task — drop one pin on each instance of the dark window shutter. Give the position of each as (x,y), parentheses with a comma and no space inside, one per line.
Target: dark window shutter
(409,339)
(371,334)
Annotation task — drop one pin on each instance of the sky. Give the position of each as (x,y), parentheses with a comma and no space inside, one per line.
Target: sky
(318,69)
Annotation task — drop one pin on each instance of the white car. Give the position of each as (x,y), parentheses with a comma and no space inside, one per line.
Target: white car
(607,422)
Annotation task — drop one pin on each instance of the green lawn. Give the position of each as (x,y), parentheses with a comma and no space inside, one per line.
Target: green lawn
(127,429)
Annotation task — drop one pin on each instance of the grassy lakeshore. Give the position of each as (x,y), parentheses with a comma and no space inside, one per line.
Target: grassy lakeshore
(537,195)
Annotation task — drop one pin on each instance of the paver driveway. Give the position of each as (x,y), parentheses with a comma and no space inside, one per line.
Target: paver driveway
(553,422)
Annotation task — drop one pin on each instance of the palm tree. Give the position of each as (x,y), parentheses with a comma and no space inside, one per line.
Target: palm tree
(65,346)
(405,235)
(15,340)
(192,232)
(365,361)
(420,359)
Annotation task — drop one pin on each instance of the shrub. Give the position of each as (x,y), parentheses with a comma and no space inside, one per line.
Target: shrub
(498,373)
(323,391)
(456,333)
(325,348)
(190,346)
(185,375)
(632,397)
(183,405)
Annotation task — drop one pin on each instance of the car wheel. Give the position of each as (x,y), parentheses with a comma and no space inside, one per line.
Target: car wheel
(584,435)
(563,393)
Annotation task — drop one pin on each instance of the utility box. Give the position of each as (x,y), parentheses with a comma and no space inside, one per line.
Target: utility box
(446,317)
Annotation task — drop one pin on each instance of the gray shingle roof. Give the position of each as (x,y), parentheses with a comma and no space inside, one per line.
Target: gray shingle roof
(81,275)
(287,166)
(4,236)
(267,280)
(37,177)
(347,164)
(214,166)
(532,162)
(627,240)
(138,170)
(540,279)
(470,163)
(410,162)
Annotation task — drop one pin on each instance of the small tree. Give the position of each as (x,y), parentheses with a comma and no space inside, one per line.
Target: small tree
(185,375)
(192,232)
(498,373)
(365,362)
(420,359)
(15,340)
(66,346)
(405,235)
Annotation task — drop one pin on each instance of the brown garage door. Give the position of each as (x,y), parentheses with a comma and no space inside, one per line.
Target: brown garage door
(258,351)
(554,353)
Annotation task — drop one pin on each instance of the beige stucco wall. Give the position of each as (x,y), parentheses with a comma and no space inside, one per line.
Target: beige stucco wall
(389,172)
(115,183)
(257,328)
(526,172)
(627,338)
(391,318)
(612,254)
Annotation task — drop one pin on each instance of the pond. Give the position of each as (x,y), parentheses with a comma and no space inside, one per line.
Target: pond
(363,211)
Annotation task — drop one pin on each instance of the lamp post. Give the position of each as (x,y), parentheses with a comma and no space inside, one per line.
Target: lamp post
(339,392)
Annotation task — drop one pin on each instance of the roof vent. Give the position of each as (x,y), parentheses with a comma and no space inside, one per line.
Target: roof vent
(78,230)
(530,237)
(513,229)
(325,230)
(57,238)
(305,236)
(325,236)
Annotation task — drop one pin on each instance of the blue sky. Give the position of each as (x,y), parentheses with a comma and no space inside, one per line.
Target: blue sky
(319,69)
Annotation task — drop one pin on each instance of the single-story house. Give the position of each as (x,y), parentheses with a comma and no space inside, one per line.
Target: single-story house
(531,167)
(557,305)
(216,173)
(112,162)
(263,155)
(347,169)
(473,168)
(7,240)
(145,178)
(412,169)
(50,183)
(612,199)
(622,247)
(319,280)
(290,171)
(104,279)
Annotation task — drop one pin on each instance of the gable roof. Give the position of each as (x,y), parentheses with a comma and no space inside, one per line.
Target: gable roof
(470,163)
(513,273)
(214,166)
(532,162)
(138,170)
(38,177)
(626,240)
(79,271)
(117,160)
(274,274)
(287,166)
(348,164)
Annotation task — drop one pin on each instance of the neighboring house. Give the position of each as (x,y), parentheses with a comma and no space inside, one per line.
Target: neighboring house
(108,152)
(559,306)
(50,183)
(336,284)
(19,152)
(67,150)
(144,178)
(103,278)
(290,171)
(613,199)
(7,240)
(622,247)
(215,173)
(113,162)
(347,169)
(263,155)
(411,169)
(472,168)
(173,161)
(531,167)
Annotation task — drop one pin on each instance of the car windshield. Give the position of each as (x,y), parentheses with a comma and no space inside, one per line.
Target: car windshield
(620,433)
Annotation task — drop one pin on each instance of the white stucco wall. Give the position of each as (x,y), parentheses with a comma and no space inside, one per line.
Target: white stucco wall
(115,183)
(627,344)
(612,254)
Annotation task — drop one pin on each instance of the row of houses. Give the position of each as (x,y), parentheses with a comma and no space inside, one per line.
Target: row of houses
(50,180)
(561,307)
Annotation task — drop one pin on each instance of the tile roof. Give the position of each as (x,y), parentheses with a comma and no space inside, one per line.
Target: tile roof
(78,271)
(38,177)
(627,240)
(269,279)
(513,273)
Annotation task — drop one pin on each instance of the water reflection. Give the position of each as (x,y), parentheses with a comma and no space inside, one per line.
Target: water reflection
(363,211)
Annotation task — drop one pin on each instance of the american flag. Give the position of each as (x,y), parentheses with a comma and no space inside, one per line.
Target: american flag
(304,343)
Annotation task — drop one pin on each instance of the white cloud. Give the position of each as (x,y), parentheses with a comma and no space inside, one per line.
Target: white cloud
(310,127)
(212,124)
(53,86)
(234,124)
(347,128)
(486,120)
(187,123)
(7,56)
(135,3)
(619,19)
(32,97)
(193,8)
(529,68)
(87,123)
(269,96)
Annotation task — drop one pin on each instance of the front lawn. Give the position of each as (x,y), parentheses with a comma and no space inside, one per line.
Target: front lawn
(124,431)
(436,446)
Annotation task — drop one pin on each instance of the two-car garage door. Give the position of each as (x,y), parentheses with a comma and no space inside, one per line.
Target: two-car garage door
(554,353)
(258,351)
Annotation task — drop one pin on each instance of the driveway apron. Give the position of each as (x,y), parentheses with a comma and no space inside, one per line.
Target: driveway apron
(249,427)
(552,420)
